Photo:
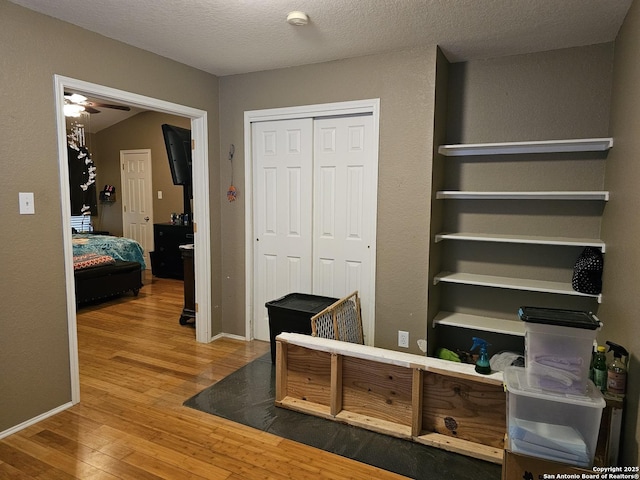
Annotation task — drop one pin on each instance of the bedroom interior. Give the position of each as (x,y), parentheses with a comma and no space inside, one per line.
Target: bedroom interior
(106,262)
(580,91)
(136,120)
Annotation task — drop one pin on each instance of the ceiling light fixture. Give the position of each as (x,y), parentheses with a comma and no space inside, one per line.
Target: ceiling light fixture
(76,98)
(72,110)
(297,18)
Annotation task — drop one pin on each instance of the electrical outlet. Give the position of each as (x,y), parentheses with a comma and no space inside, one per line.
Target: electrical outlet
(403,339)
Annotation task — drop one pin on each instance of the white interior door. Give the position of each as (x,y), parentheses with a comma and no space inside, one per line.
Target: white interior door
(282,160)
(344,209)
(137,198)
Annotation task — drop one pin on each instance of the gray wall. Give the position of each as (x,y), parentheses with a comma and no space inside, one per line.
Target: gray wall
(621,224)
(404,82)
(541,96)
(34,350)
(138,132)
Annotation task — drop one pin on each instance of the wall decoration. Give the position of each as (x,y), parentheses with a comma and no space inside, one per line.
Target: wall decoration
(232,193)
(82,173)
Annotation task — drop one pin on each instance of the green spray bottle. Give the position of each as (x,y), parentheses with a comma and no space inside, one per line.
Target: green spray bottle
(482,364)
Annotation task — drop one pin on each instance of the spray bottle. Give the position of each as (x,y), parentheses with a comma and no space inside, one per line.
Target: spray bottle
(482,364)
(617,370)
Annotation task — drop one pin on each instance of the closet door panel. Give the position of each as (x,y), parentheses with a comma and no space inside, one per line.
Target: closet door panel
(282,156)
(343,189)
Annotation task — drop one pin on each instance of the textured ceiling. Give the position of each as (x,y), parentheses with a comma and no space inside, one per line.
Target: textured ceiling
(226,37)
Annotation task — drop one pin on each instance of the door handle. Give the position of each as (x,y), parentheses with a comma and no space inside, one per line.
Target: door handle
(146,219)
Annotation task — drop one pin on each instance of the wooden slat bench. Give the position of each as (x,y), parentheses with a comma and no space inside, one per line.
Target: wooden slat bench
(421,399)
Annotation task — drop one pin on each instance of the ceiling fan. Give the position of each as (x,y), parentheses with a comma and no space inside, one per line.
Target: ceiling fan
(75,104)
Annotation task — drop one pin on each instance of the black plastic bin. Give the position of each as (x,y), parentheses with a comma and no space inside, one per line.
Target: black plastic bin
(292,313)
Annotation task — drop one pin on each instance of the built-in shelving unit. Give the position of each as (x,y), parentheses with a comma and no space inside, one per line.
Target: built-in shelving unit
(501,325)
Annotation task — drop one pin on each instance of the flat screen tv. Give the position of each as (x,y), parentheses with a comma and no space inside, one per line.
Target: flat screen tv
(178,143)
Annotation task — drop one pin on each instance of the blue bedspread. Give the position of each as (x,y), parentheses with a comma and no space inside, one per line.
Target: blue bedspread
(117,247)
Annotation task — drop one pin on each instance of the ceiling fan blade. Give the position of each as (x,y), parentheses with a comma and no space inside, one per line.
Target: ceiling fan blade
(89,109)
(108,105)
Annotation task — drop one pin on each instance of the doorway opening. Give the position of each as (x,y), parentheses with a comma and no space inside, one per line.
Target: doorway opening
(200,197)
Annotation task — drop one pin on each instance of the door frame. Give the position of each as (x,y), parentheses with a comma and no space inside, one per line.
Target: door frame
(202,233)
(356,107)
(149,199)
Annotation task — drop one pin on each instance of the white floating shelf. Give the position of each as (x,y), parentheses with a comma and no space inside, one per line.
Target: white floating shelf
(514,148)
(524,239)
(529,285)
(577,195)
(476,322)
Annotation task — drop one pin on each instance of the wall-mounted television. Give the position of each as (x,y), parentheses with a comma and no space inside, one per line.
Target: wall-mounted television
(177,140)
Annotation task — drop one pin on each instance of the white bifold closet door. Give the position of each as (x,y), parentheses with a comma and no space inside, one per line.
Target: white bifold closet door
(313,220)
(283,179)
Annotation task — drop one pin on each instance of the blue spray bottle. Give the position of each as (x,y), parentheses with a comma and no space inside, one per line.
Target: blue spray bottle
(482,364)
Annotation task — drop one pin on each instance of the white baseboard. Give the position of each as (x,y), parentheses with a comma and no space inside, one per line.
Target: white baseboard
(35,420)
(229,335)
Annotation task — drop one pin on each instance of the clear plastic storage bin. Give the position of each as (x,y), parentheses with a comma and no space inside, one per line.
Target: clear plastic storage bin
(558,347)
(554,426)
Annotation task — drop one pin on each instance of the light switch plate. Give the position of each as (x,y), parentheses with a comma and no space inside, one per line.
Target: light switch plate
(26,203)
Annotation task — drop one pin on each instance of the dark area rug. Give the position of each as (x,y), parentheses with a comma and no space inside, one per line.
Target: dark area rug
(247,397)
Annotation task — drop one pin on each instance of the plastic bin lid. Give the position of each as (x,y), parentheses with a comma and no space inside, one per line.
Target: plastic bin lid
(560,317)
(516,382)
(302,302)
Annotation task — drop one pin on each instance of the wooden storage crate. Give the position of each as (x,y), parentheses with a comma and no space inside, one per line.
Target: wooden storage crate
(422,399)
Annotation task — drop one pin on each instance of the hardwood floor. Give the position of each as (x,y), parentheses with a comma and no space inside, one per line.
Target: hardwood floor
(137,366)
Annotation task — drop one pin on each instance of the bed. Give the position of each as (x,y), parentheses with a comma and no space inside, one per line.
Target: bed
(105,266)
